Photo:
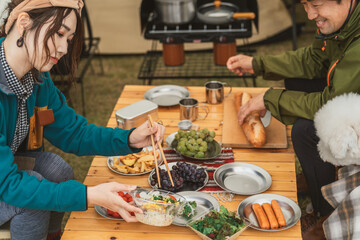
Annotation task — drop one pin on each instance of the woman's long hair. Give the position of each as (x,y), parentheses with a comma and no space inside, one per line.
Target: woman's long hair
(42,16)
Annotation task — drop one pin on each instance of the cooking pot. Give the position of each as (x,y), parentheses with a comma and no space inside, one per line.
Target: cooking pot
(176,11)
(220,13)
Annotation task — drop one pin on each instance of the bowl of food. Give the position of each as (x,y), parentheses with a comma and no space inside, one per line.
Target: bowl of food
(159,207)
(221,224)
(196,145)
(136,163)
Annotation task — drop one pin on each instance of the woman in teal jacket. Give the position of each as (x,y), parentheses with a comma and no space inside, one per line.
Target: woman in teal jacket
(33,196)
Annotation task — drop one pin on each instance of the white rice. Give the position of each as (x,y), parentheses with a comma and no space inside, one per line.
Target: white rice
(155,218)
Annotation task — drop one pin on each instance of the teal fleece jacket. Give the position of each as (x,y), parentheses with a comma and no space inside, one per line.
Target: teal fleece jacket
(70,132)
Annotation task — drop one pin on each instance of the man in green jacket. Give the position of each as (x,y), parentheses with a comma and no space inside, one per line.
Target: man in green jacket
(315,74)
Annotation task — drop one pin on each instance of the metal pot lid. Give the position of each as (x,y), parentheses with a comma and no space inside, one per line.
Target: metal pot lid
(225,10)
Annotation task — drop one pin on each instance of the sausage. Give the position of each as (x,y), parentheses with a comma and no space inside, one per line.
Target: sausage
(261,216)
(278,213)
(271,216)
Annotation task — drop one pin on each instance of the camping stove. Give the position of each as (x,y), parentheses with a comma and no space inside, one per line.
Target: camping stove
(173,36)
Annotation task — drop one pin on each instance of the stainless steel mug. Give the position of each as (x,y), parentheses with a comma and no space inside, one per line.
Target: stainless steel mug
(189,109)
(215,92)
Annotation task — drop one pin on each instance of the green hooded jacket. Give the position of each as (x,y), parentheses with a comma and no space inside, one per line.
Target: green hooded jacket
(336,58)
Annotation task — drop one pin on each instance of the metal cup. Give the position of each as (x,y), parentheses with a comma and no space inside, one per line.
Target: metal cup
(215,92)
(189,109)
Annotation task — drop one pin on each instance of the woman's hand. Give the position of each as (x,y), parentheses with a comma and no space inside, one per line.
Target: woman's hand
(240,64)
(140,137)
(254,104)
(106,195)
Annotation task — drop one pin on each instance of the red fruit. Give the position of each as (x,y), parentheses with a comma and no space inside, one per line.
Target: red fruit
(211,235)
(132,213)
(114,214)
(130,199)
(127,195)
(121,194)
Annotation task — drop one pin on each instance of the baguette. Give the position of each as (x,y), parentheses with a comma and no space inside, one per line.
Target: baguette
(261,216)
(271,216)
(278,213)
(252,126)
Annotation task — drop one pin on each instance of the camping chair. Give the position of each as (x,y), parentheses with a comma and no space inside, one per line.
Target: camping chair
(90,48)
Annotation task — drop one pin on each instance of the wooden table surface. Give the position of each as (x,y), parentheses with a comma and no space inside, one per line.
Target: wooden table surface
(280,163)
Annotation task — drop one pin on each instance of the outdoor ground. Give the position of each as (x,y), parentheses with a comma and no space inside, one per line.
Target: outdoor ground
(102,91)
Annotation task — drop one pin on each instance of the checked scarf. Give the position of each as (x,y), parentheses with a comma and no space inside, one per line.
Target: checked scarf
(22,92)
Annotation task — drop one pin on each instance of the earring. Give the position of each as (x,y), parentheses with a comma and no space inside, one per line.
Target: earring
(20,41)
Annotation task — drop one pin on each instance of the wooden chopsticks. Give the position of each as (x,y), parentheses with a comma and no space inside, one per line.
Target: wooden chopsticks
(162,154)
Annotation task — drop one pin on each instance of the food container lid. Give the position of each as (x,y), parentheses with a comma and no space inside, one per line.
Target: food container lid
(136,109)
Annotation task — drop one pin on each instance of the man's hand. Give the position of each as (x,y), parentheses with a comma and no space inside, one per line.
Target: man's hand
(140,137)
(254,104)
(240,64)
(106,195)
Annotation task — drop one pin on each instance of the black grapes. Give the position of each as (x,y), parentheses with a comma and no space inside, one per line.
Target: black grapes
(181,172)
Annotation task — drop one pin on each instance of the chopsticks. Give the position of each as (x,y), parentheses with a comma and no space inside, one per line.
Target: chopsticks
(162,154)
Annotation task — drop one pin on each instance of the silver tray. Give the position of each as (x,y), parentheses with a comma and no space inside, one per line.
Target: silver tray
(102,211)
(110,164)
(290,209)
(242,178)
(166,95)
(205,203)
(187,186)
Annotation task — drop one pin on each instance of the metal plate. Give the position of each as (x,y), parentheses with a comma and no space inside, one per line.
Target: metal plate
(102,211)
(214,150)
(266,119)
(187,186)
(110,163)
(242,178)
(290,209)
(166,95)
(205,203)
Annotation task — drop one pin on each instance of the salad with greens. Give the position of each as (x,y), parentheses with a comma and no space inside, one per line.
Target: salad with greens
(219,225)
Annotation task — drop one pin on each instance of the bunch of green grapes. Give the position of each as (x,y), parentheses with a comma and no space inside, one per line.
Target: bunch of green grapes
(194,143)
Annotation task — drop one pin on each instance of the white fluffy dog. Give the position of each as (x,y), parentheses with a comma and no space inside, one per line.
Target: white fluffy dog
(337,125)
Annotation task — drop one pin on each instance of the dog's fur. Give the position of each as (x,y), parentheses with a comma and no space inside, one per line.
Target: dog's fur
(337,125)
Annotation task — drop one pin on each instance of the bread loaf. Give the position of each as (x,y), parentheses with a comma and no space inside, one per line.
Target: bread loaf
(252,126)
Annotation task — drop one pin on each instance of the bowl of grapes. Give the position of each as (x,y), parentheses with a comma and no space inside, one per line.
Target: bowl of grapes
(196,145)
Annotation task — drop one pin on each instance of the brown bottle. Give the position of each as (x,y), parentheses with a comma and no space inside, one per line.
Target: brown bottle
(223,51)
(173,54)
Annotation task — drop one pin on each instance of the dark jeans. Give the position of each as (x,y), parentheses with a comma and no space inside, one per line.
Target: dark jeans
(317,172)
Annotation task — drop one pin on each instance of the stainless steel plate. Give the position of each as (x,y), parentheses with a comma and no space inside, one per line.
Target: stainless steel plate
(205,203)
(214,150)
(242,178)
(187,186)
(102,211)
(110,163)
(290,209)
(166,95)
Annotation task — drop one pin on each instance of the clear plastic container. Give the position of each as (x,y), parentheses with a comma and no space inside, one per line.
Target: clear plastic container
(156,213)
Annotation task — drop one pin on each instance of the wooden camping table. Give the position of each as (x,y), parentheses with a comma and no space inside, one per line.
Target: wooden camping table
(280,163)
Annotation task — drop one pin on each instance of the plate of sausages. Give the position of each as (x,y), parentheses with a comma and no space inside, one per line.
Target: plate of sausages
(269,212)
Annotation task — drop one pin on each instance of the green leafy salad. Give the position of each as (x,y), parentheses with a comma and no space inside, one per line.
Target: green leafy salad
(219,225)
